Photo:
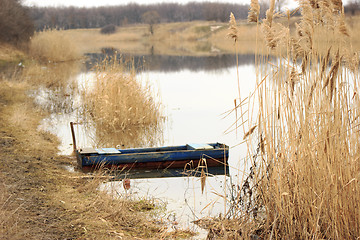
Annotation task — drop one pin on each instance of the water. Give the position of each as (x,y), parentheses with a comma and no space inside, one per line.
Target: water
(194,102)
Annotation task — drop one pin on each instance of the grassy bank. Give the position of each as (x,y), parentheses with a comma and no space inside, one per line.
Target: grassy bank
(188,38)
(54,46)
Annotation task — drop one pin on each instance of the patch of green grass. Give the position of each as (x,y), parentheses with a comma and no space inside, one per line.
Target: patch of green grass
(202,29)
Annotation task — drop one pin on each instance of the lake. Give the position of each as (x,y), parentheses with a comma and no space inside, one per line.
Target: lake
(196,94)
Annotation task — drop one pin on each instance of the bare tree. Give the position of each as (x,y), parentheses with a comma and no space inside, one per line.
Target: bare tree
(15,23)
(353,6)
(279,4)
(72,17)
(151,18)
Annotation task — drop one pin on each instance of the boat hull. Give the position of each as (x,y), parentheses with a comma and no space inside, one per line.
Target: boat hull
(216,154)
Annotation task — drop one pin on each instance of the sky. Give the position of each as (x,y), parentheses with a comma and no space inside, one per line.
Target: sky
(97,3)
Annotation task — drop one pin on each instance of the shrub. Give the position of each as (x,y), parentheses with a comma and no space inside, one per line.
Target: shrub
(54,46)
(15,23)
(108,29)
(123,109)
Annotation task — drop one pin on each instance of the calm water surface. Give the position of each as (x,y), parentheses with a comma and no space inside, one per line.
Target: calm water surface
(194,100)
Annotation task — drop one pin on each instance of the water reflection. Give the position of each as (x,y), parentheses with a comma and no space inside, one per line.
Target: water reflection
(183,197)
(56,92)
(132,136)
(173,172)
(118,175)
(55,101)
(167,63)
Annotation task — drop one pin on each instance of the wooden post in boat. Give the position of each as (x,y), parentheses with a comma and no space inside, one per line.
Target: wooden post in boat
(73,135)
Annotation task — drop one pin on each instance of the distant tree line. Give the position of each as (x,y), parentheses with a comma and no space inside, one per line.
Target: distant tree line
(97,17)
(15,24)
(352,7)
(132,13)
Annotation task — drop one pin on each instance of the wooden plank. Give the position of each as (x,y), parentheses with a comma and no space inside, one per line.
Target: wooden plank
(87,150)
(107,151)
(200,146)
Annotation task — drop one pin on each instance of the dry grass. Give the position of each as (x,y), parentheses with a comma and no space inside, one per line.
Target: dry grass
(9,53)
(304,181)
(54,46)
(125,111)
(9,215)
(105,214)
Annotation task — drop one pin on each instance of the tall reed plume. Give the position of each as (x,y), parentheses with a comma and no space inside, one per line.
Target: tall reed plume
(254,12)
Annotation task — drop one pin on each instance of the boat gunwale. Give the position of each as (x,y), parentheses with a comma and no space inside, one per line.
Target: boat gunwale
(123,152)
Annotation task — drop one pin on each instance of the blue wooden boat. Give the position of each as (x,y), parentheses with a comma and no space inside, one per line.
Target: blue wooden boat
(210,155)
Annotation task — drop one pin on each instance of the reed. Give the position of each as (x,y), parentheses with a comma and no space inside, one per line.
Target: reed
(307,177)
(304,177)
(124,110)
(254,11)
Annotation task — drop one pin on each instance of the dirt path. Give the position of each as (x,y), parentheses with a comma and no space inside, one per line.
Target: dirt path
(30,172)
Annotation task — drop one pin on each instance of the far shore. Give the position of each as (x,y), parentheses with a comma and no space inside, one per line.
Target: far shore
(200,38)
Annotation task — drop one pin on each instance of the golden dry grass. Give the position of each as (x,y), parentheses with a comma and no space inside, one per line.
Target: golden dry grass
(9,53)
(310,132)
(54,46)
(9,215)
(124,110)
